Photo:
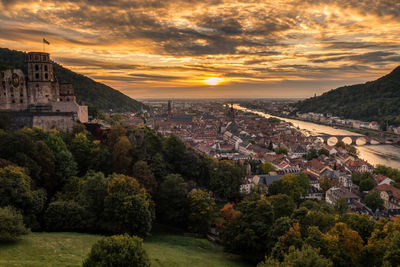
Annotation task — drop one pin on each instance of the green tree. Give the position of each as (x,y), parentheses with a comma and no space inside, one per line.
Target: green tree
(81,149)
(292,185)
(121,157)
(361,223)
(344,245)
(374,201)
(11,225)
(127,207)
(307,256)
(144,175)
(225,179)
(201,211)
(65,216)
(250,234)
(311,154)
(281,150)
(267,167)
(367,184)
(172,201)
(117,251)
(357,177)
(341,205)
(283,205)
(92,192)
(323,151)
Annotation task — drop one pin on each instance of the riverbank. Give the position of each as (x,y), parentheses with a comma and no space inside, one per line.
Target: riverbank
(388,155)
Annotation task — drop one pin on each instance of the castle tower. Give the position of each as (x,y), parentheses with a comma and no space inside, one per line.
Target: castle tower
(42,86)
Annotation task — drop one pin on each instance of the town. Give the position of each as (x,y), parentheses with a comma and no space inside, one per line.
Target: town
(217,129)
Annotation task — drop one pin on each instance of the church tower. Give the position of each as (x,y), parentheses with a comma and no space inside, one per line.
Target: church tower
(42,85)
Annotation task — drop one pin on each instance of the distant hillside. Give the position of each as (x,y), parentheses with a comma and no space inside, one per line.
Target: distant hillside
(372,101)
(88,91)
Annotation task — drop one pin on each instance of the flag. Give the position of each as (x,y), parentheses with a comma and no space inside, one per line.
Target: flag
(45,41)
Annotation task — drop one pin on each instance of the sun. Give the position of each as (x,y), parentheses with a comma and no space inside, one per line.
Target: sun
(213,81)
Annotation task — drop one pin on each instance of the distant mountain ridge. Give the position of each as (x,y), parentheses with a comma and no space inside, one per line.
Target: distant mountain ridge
(87,91)
(378,100)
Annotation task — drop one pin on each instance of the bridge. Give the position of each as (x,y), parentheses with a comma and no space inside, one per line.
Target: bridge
(362,139)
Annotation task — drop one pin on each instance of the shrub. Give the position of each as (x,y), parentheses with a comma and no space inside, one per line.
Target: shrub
(119,250)
(65,216)
(11,225)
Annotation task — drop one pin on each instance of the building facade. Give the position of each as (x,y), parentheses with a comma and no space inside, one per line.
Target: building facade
(37,99)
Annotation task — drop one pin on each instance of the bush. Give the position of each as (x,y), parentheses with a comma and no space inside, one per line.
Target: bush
(11,225)
(120,250)
(65,216)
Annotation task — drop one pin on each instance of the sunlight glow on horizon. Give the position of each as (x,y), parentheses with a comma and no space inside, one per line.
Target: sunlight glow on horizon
(213,81)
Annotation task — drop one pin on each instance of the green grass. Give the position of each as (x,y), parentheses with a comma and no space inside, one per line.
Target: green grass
(70,249)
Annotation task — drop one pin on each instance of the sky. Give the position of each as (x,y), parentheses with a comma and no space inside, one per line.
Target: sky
(211,48)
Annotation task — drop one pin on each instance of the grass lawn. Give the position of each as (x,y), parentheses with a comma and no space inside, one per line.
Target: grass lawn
(69,249)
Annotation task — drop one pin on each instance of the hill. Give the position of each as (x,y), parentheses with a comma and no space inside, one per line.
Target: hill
(372,101)
(70,249)
(87,91)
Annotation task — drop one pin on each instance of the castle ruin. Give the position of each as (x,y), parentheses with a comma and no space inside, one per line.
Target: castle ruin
(37,99)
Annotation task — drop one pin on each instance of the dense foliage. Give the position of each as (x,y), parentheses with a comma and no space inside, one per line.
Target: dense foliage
(11,225)
(372,101)
(87,91)
(116,251)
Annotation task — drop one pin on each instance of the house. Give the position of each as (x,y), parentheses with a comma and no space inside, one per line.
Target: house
(390,196)
(381,179)
(314,193)
(335,193)
(259,180)
(317,167)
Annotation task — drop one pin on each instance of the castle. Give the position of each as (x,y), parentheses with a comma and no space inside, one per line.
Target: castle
(37,99)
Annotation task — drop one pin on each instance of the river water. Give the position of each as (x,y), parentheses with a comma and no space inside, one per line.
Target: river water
(375,154)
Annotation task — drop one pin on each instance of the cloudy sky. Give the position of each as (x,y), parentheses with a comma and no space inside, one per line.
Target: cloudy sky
(254,48)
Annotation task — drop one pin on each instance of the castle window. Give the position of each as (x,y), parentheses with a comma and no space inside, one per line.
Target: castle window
(46,76)
(45,67)
(21,101)
(37,75)
(13,101)
(36,67)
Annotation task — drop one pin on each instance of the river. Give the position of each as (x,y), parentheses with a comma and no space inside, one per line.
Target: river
(375,154)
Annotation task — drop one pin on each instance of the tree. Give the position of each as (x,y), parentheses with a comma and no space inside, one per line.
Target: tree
(344,245)
(225,179)
(250,234)
(65,216)
(201,211)
(292,185)
(323,151)
(374,201)
(325,183)
(361,223)
(127,207)
(281,150)
(116,132)
(307,256)
(116,251)
(267,167)
(145,176)
(283,205)
(81,149)
(15,190)
(121,157)
(311,154)
(91,195)
(357,177)
(11,225)
(367,184)
(172,201)
(341,205)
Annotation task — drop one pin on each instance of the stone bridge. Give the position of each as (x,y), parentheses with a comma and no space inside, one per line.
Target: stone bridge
(363,140)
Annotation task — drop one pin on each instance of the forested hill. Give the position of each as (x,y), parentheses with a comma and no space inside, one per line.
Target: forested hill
(372,101)
(88,91)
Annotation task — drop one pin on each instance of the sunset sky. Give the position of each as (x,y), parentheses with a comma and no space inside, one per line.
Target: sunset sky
(175,48)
